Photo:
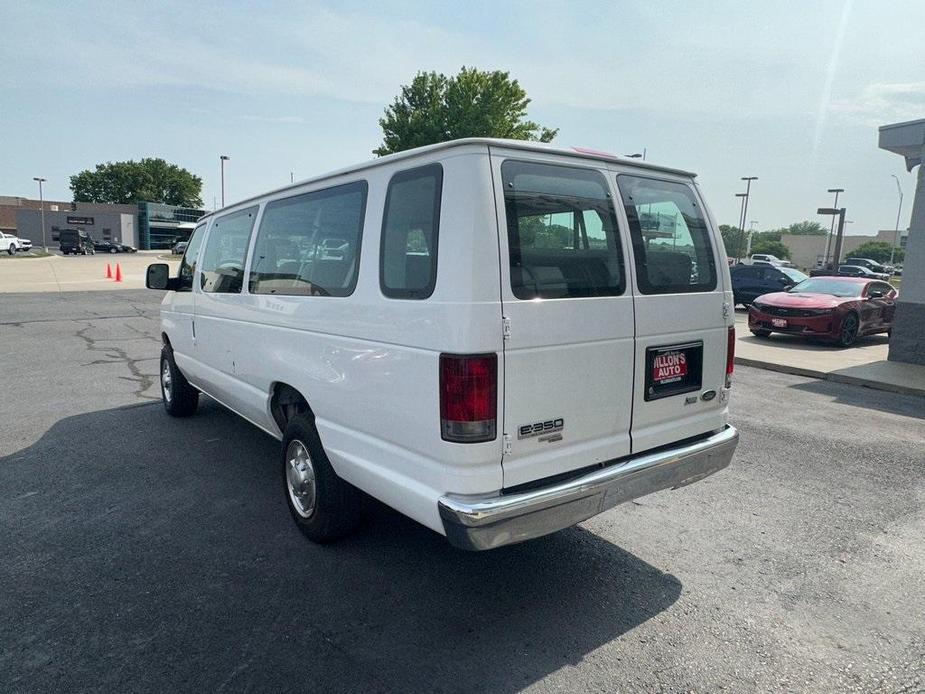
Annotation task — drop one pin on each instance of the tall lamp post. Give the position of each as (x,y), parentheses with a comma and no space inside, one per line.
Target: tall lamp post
(840,234)
(223,158)
(741,226)
(828,240)
(748,187)
(751,230)
(42,208)
(898,212)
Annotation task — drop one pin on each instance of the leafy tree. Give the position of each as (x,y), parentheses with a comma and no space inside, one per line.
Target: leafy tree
(770,246)
(806,228)
(475,103)
(878,251)
(125,182)
(734,240)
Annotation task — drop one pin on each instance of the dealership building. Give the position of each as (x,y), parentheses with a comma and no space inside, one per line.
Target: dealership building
(145,225)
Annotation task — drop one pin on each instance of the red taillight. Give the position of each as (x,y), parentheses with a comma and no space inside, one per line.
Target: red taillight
(468,397)
(730,354)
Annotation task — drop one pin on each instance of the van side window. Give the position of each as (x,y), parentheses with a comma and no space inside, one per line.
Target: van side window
(671,240)
(410,226)
(222,268)
(309,245)
(562,232)
(188,264)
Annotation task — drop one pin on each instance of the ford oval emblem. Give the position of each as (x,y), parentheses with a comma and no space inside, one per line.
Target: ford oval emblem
(708,395)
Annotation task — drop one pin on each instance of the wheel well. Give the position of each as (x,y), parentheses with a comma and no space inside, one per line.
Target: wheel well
(286,403)
(165,340)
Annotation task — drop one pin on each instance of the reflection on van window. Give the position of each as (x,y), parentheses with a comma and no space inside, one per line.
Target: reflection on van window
(225,251)
(562,232)
(408,255)
(188,264)
(309,245)
(671,242)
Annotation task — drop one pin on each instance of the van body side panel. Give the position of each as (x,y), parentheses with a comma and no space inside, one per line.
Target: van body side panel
(369,365)
(568,362)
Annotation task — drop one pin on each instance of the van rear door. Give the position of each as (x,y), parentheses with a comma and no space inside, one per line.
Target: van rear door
(683,311)
(568,315)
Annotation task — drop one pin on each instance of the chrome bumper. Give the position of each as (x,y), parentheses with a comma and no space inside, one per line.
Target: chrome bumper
(486,522)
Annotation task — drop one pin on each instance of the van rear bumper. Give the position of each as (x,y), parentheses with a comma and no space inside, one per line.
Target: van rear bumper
(486,522)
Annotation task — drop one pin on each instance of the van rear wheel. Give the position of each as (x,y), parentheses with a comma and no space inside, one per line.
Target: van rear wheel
(325,507)
(180,398)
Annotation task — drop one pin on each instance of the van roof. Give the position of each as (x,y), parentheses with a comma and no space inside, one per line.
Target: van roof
(525,145)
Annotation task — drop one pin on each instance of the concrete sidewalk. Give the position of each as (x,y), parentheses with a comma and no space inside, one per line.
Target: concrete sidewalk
(864,364)
(78,273)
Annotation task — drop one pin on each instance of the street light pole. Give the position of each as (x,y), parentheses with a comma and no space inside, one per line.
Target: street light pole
(223,158)
(828,240)
(748,187)
(741,227)
(748,248)
(42,208)
(898,213)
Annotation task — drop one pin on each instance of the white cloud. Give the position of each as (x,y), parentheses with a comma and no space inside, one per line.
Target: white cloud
(881,103)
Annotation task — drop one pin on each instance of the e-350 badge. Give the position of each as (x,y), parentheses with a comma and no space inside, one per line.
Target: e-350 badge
(550,426)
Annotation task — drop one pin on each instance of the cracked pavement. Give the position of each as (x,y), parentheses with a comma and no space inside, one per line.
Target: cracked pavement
(141,553)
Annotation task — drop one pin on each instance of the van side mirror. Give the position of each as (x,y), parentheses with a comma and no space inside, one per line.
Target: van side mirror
(158,277)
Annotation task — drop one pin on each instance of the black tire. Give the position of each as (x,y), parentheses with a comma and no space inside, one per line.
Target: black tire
(12,249)
(113,250)
(848,334)
(761,333)
(331,508)
(179,397)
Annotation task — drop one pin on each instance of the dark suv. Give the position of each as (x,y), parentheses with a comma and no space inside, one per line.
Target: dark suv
(751,281)
(76,242)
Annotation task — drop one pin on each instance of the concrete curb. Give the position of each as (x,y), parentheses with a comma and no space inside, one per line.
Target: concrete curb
(833,376)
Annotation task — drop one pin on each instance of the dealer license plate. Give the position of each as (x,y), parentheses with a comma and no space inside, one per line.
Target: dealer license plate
(778,323)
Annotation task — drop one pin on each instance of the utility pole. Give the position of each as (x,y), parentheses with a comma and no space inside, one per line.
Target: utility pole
(898,213)
(748,187)
(223,158)
(42,208)
(828,240)
(748,249)
(741,227)
(840,234)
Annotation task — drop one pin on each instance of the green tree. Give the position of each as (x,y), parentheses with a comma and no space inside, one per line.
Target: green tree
(770,246)
(475,103)
(125,182)
(734,240)
(878,251)
(806,228)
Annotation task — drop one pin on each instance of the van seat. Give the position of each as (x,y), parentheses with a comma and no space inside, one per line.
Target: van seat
(667,268)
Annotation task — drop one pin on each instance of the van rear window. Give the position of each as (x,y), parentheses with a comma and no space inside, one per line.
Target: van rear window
(562,232)
(671,241)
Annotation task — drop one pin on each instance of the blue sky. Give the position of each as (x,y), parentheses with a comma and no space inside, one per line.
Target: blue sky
(791,92)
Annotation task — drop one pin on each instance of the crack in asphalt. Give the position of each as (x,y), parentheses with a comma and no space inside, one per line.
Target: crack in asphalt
(117,355)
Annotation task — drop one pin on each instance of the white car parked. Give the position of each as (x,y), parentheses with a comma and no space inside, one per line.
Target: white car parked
(498,348)
(10,243)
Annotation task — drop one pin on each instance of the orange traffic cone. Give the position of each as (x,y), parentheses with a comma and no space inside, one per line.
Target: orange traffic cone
(108,272)
(118,272)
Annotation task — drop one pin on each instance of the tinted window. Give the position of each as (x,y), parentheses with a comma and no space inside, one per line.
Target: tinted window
(562,232)
(188,264)
(671,241)
(829,285)
(410,226)
(222,264)
(309,245)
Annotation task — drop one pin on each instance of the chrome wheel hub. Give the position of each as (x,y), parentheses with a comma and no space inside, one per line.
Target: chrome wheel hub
(166,381)
(300,478)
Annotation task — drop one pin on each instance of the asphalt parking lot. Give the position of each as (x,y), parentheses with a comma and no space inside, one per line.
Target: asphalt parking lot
(142,553)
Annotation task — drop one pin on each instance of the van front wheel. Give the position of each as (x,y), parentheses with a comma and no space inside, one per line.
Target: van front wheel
(325,507)
(180,398)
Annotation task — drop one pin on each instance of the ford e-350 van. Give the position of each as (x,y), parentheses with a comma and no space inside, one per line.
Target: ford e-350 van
(497,338)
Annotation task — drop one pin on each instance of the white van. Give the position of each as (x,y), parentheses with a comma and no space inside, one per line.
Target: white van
(497,338)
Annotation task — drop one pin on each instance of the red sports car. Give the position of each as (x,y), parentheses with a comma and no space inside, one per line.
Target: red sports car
(832,308)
